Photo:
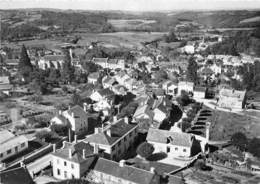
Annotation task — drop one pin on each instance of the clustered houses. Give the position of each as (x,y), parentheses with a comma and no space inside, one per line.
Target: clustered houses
(11,144)
(115,138)
(5,86)
(110,63)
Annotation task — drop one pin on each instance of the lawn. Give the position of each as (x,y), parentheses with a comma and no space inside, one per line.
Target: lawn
(225,124)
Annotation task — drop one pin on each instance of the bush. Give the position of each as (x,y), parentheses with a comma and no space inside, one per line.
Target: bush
(145,150)
(44,134)
(239,140)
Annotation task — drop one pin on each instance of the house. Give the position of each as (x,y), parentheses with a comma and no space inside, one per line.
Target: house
(59,119)
(51,61)
(199,92)
(143,112)
(11,144)
(110,63)
(189,49)
(102,94)
(170,87)
(230,98)
(116,138)
(18,175)
(108,82)
(119,89)
(5,86)
(78,119)
(175,144)
(160,110)
(185,86)
(73,160)
(108,171)
(93,77)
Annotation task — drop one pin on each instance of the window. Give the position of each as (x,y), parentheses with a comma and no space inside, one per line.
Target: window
(1,155)
(65,163)
(16,148)
(125,139)
(130,135)
(72,166)
(58,171)
(22,145)
(113,148)
(176,149)
(9,151)
(119,143)
(184,150)
(72,176)
(168,149)
(65,174)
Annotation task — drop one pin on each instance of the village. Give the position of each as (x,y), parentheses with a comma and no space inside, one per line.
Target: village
(164,112)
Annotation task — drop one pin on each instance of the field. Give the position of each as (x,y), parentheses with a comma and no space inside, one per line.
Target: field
(227,123)
(129,23)
(253,19)
(116,39)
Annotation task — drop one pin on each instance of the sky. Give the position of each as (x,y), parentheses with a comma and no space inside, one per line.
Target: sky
(133,5)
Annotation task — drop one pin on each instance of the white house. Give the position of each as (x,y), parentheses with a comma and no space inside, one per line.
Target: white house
(230,98)
(185,86)
(73,160)
(170,87)
(102,94)
(175,144)
(11,144)
(5,86)
(93,78)
(115,138)
(110,63)
(199,92)
(78,119)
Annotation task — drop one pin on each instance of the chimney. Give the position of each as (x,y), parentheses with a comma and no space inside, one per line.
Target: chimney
(122,163)
(22,164)
(54,148)
(84,154)
(96,149)
(114,119)
(72,114)
(126,120)
(108,132)
(152,170)
(85,107)
(75,139)
(60,112)
(69,136)
(96,130)
(70,153)
(69,107)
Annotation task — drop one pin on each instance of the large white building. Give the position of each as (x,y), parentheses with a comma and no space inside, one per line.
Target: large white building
(174,144)
(185,86)
(115,138)
(73,160)
(110,63)
(11,144)
(230,98)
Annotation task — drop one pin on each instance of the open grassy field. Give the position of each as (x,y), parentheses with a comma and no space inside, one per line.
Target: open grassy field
(116,39)
(129,23)
(227,123)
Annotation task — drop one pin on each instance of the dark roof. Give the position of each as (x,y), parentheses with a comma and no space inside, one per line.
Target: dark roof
(128,173)
(77,151)
(118,129)
(106,92)
(79,113)
(99,60)
(201,89)
(16,176)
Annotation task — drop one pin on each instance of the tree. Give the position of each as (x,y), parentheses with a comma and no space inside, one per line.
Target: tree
(254,147)
(67,72)
(239,140)
(76,99)
(200,165)
(44,134)
(24,66)
(145,150)
(192,68)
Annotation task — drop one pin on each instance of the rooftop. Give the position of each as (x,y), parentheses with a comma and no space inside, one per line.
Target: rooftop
(118,129)
(128,173)
(165,136)
(14,176)
(232,93)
